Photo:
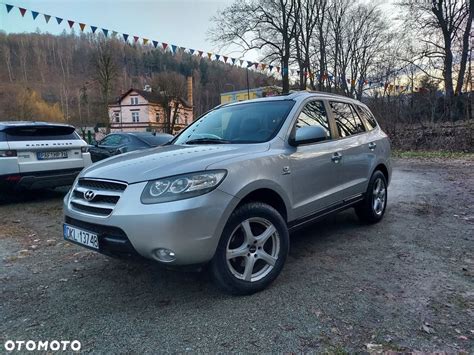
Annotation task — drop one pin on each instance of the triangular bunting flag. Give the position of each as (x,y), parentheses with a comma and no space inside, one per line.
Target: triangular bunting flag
(256,65)
(136,38)
(105,31)
(155,43)
(217,56)
(9,8)
(209,55)
(114,33)
(200,53)
(249,64)
(191,51)
(233,60)
(71,23)
(270,67)
(241,62)
(125,37)
(182,48)
(46,18)
(264,66)
(225,59)
(34,14)
(82,26)
(22,11)
(173,48)
(164,45)
(278,69)
(59,20)
(93,28)
(145,41)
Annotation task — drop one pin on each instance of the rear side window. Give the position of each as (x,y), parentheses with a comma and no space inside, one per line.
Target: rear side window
(347,121)
(367,116)
(40,133)
(314,114)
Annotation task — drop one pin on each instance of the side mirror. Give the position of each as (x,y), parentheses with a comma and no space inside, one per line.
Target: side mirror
(307,135)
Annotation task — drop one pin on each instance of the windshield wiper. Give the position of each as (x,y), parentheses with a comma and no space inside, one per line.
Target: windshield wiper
(207,141)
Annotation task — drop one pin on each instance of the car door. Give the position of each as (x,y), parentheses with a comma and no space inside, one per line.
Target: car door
(315,167)
(353,145)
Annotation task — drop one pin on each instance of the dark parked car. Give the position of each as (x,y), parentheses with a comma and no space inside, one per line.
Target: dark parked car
(118,143)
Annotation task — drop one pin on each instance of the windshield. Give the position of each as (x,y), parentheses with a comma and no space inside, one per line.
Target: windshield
(254,122)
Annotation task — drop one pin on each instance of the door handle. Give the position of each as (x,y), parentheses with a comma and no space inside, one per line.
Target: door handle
(336,157)
(372,145)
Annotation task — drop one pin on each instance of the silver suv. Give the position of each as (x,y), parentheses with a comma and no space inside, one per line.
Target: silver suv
(230,187)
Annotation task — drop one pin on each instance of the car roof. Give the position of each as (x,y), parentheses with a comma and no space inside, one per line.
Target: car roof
(149,138)
(300,95)
(8,124)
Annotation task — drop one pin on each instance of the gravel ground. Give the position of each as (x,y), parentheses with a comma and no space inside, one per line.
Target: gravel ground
(404,284)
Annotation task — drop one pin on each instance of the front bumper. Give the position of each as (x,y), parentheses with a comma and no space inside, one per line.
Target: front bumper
(191,228)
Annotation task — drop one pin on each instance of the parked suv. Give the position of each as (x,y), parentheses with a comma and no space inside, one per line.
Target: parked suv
(39,154)
(230,187)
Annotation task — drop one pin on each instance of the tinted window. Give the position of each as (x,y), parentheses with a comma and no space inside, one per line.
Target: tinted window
(314,114)
(254,122)
(40,133)
(347,121)
(367,117)
(113,139)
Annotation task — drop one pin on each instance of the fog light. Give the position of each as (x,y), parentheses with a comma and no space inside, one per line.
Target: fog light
(165,255)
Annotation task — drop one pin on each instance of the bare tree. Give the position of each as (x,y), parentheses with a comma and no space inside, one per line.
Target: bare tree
(267,25)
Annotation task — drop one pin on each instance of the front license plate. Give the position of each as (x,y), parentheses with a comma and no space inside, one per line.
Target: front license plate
(52,155)
(81,236)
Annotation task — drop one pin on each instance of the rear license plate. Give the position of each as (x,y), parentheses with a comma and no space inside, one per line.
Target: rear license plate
(81,236)
(52,155)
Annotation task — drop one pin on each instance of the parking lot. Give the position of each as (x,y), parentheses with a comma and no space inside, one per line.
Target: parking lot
(403,284)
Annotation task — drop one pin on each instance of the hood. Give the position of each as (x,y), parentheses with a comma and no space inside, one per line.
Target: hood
(166,161)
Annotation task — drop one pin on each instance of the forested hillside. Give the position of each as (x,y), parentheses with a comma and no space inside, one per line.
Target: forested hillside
(71,77)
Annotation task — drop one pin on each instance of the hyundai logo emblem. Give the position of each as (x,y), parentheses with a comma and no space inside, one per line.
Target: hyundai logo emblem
(89,195)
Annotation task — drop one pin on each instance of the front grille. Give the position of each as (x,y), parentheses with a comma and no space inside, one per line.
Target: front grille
(102,195)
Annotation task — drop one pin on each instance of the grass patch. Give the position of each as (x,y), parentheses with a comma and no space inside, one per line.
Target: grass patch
(440,154)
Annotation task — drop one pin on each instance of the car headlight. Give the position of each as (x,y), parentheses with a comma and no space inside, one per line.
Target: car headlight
(183,186)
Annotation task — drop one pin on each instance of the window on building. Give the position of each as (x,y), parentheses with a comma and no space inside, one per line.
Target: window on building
(157,115)
(136,116)
(134,100)
(314,114)
(347,121)
(117,117)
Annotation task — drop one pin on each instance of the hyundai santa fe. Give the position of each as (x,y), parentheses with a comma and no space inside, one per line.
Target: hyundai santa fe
(228,190)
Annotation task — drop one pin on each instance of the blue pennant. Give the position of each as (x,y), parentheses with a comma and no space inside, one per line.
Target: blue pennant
(173,48)
(155,44)
(106,32)
(93,28)
(59,19)
(35,14)
(9,8)
(217,56)
(125,37)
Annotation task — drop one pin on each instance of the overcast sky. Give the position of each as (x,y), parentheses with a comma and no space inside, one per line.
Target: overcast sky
(180,22)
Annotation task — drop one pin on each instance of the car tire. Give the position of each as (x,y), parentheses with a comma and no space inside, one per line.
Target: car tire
(372,208)
(252,249)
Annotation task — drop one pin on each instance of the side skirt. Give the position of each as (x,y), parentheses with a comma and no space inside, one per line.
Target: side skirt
(338,207)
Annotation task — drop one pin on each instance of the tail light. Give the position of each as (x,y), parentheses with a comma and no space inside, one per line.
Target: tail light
(7,153)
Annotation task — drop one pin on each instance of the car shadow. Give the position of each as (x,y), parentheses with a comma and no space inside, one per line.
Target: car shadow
(13,195)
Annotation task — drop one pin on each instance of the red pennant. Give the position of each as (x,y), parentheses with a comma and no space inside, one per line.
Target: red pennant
(256,65)
(200,53)
(71,23)
(82,26)
(22,11)
(225,59)
(136,38)
(164,45)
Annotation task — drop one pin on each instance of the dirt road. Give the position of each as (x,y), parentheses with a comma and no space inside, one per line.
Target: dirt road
(403,284)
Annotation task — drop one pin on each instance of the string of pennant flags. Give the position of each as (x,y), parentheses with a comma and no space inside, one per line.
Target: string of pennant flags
(127,38)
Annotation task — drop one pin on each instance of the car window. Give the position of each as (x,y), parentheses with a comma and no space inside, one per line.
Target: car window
(39,132)
(367,116)
(314,114)
(252,122)
(113,139)
(347,121)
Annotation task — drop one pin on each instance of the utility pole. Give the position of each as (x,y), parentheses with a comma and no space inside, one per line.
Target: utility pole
(248,86)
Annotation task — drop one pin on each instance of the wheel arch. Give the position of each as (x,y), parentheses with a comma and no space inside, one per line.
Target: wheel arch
(383,168)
